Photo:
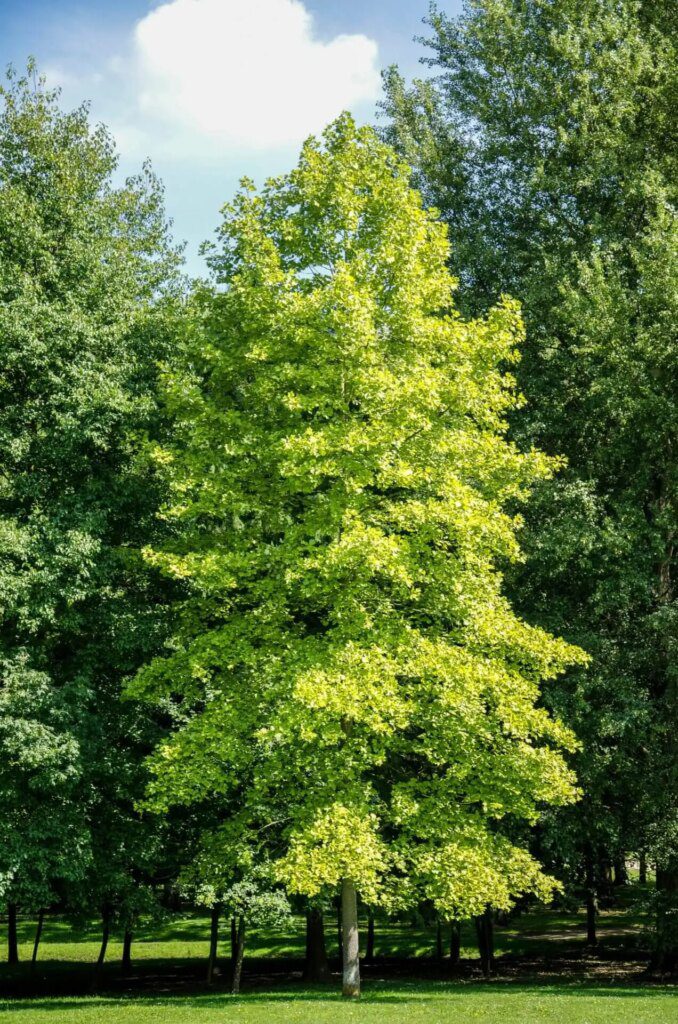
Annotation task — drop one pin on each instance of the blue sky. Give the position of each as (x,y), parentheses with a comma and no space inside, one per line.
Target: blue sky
(214,89)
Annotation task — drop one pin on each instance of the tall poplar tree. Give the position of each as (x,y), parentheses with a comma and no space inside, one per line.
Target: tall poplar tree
(547,138)
(348,671)
(83,266)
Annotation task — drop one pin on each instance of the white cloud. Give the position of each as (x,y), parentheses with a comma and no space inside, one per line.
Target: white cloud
(245,73)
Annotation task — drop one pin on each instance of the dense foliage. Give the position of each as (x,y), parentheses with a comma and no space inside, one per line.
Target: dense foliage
(341,476)
(547,139)
(82,263)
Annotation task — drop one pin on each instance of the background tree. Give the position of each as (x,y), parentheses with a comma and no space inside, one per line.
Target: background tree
(86,277)
(348,670)
(548,141)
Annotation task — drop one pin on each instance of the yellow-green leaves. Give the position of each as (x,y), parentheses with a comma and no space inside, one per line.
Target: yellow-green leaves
(339,842)
(351,676)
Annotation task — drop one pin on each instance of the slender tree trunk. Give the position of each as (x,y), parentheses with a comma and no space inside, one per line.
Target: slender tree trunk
(439,941)
(234,940)
(214,942)
(666,958)
(340,940)
(455,943)
(105,935)
(483,945)
(591,903)
(369,948)
(239,955)
(36,943)
(489,936)
(127,952)
(350,940)
(642,868)
(316,967)
(12,938)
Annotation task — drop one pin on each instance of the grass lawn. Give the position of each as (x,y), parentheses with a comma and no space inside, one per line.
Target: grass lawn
(544,975)
(186,937)
(397,1003)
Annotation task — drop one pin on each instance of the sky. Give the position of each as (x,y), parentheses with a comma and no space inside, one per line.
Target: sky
(211,90)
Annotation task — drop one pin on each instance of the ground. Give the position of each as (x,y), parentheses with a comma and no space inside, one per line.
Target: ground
(544,974)
(413,1003)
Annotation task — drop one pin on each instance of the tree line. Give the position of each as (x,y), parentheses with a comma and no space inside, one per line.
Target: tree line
(347,573)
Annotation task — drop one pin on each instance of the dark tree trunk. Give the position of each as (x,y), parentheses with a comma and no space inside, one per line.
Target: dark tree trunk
(484,947)
(642,868)
(369,948)
(36,943)
(127,952)
(621,875)
(439,941)
(350,941)
(340,940)
(455,943)
(105,935)
(489,936)
(316,967)
(214,943)
(666,958)
(12,938)
(234,940)
(239,955)
(482,944)
(591,903)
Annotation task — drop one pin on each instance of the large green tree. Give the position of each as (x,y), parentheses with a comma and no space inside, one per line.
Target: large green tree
(547,138)
(348,671)
(83,268)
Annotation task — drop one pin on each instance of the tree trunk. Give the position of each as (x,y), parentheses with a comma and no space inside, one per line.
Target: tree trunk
(12,938)
(36,943)
(483,945)
(105,934)
(489,936)
(666,959)
(234,940)
(239,955)
(369,949)
(340,940)
(642,868)
(127,952)
(621,875)
(455,943)
(591,903)
(214,942)
(439,941)
(316,967)
(350,941)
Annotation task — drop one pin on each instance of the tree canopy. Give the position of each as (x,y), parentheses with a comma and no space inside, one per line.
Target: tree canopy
(348,667)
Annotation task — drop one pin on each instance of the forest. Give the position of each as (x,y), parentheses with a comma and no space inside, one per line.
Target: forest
(338,613)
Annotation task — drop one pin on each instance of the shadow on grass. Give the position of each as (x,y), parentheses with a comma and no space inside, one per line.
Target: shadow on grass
(396,993)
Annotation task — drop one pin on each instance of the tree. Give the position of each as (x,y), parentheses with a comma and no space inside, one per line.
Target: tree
(230,875)
(86,277)
(547,140)
(348,670)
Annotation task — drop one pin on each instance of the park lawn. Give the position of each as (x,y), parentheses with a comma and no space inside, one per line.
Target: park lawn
(397,1003)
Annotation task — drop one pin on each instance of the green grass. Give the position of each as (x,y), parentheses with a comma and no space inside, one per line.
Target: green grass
(398,1003)
(169,960)
(185,938)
